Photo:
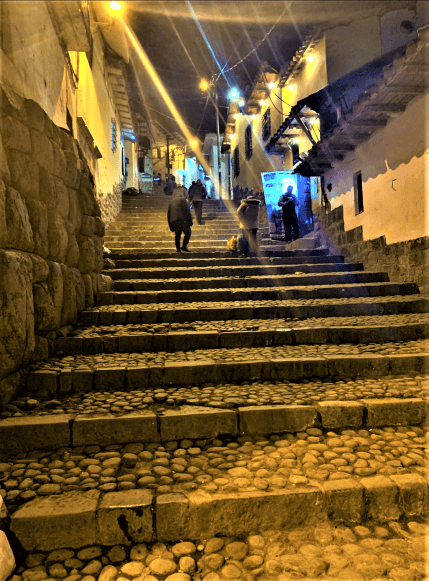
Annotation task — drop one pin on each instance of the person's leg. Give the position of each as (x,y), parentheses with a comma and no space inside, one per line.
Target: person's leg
(287,228)
(187,231)
(253,240)
(177,234)
(198,211)
(295,227)
(246,235)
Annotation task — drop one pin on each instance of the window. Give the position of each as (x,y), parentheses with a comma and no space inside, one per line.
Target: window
(295,153)
(236,162)
(69,121)
(248,142)
(266,125)
(113,134)
(357,186)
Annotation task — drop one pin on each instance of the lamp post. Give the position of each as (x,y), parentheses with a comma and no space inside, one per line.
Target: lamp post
(214,95)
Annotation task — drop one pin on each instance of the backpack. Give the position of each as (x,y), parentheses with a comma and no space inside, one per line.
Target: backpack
(232,244)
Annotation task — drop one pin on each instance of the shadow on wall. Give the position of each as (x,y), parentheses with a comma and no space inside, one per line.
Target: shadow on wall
(51,236)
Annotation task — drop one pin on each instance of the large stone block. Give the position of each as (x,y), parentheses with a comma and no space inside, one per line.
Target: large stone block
(276,419)
(413,493)
(57,237)
(196,422)
(55,285)
(69,308)
(236,514)
(80,289)
(68,520)
(345,500)
(86,254)
(115,430)
(19,231)
(99,227)
(125,517)
(394,412)
(87,226)
(72,173)
(24,173)
(48,192)
(9,387)
(381,498)
(341,414)
(35,116)
(38,216)
(16,310)
(40,268)
(4,168)
(44,308)
(75,215)
(63,202)
(34,433)
(42,149)
(15,135)
(89,291)
(72,252)
(86,196)
(98,253)
(7,559)
(59,164)
(3,226)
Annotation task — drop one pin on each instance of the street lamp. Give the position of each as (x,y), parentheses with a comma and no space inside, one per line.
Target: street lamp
(206,86)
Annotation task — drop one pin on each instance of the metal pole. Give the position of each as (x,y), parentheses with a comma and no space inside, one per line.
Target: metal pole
(218,144)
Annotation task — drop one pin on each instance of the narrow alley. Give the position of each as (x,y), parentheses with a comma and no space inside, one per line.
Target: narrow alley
(212,411)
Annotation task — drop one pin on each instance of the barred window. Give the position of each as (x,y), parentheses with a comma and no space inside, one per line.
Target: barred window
(113,135)
(266,125)
(236,162)
(248,142)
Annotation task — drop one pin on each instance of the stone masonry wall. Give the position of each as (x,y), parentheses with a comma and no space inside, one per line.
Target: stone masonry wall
(406,261)
(51,236)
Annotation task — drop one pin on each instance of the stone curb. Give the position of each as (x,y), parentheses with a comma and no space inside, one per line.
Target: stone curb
(78,519)
(189,340)
(137,254)
(23,434)
(124,316)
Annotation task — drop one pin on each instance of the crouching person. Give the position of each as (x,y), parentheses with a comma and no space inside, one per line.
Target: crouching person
(248,215)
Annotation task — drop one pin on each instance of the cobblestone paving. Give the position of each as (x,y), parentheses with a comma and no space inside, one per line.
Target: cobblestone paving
(241,464)
(255,325)
(260,303)
(227,396)
(233,355)
(328,551)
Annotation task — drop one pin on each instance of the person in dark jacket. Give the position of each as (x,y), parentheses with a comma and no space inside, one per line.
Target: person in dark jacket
(170,185)
(248,215)
(197,194)
(179,218)
(287,202)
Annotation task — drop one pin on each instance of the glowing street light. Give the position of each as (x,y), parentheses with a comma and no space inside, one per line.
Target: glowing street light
(115,5)
(234,94)
(241,102)
(271,86)
(204,85)
(194,143)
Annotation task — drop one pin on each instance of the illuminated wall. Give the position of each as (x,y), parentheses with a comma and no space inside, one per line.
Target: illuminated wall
(395,179)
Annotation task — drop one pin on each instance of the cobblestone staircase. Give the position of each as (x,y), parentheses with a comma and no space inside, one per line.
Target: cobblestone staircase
(268,411)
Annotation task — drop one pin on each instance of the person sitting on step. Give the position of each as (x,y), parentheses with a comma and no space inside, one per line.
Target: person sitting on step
(248,215)
(179,218)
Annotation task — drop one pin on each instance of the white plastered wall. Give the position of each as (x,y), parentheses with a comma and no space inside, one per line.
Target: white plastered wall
(395,179)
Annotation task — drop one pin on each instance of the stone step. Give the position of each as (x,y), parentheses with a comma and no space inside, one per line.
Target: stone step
(243,281)
(345,290)
(140,370)
(239,270)
(163,263)
(253,310)
(269,252)
(161,236)
(209,503)
(130,338)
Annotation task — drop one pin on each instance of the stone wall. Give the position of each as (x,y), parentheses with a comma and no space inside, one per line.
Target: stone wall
(406,261)
(111,202)
(51,236)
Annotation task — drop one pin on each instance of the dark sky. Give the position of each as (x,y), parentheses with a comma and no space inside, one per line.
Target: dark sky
(187,41)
